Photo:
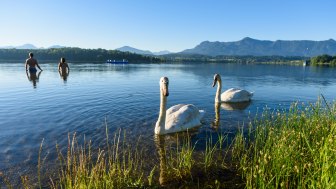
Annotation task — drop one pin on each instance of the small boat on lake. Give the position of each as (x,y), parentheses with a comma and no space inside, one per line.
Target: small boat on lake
(123,61)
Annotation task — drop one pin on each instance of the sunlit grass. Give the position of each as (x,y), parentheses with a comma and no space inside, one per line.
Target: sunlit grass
(295,149)
(118,167)
(280,149)
(122,165)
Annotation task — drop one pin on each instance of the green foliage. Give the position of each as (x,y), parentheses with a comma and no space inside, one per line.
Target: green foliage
(290,150)
(324,60)
(74,55)
(231,59)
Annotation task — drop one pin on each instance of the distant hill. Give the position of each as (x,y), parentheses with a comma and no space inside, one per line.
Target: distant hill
(25,46)
(73,54)
(134,50)
(254,47)
(30,46)
(161,53)
(56,47)
(138,51)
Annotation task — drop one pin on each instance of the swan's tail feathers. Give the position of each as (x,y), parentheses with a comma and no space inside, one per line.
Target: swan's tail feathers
(202,113)
(251,94)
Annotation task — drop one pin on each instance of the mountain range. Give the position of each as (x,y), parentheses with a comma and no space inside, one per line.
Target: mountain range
(30,46)
(246,46)
(249,46)
(138,51)
(123,49)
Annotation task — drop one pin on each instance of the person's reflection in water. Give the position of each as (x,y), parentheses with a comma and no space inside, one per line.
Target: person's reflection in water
(33,76)
(215,124)
(160,145)
(63,69)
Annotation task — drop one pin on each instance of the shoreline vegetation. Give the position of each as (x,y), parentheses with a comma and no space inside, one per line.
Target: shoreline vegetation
(323,60)
(279,149)
(78,55)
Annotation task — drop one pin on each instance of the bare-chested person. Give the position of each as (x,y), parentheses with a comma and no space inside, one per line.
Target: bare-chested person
(63,69)
(32,63)
(63,66)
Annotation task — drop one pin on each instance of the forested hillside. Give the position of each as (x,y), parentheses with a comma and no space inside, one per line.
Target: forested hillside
(74,55)
(254,47)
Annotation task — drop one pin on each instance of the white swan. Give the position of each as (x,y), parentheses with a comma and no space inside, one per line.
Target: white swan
(230,95)
(178,118)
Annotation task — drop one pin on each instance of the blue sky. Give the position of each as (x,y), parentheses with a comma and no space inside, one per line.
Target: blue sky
(157,25)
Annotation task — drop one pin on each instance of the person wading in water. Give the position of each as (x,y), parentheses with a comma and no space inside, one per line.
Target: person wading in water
(63,69)
(32,63)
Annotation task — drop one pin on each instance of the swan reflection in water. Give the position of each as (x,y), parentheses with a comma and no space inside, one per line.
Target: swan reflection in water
(33,76)
(229,107)
(165,146)
(215,124)
(235,106)
(160,146)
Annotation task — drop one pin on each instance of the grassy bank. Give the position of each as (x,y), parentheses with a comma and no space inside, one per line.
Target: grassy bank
(280,149)
(174,163)
(295,149)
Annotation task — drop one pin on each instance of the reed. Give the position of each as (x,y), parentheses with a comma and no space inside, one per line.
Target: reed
(179,159)
(118,167)
(294,149)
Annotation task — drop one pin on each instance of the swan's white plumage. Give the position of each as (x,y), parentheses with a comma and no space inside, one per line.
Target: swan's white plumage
(236,95)
(177,118)
(182,117)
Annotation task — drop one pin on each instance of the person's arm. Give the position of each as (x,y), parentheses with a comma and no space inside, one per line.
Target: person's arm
(27,75)
(68,68)
(38,75)
(59,67)
(38,66)
(26,65)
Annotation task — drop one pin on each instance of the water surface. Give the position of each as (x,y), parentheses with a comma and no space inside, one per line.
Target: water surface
(48,107)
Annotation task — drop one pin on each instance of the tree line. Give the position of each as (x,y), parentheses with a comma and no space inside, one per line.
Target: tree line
(323,60)
(179,57)
(75,55)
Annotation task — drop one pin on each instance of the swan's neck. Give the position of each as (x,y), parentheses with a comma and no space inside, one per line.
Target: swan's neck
(160,124)
(218,93)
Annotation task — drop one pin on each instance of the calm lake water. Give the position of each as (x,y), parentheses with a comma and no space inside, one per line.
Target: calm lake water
(127,97)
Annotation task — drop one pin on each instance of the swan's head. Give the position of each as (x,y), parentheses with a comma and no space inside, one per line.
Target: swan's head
(217,77)
(164,82)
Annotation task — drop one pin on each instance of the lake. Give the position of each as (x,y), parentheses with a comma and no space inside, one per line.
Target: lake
(96,96)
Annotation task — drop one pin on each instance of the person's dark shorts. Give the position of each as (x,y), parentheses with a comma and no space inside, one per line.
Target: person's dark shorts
(32,69)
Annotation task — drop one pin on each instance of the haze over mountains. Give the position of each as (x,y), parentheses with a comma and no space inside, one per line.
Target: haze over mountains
(29,46)
(138,51)
(249,46)
(123,49)
(246,46)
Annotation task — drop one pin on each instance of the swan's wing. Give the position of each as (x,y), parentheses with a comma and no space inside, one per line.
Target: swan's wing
(181,117)
(173,109)
(236,95)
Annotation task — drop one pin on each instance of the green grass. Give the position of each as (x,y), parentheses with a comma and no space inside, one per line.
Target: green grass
(121,165)
(295,149)
(118,167)
(280,149)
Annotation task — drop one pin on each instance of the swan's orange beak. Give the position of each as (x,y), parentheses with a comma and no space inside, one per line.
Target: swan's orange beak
(214,82)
